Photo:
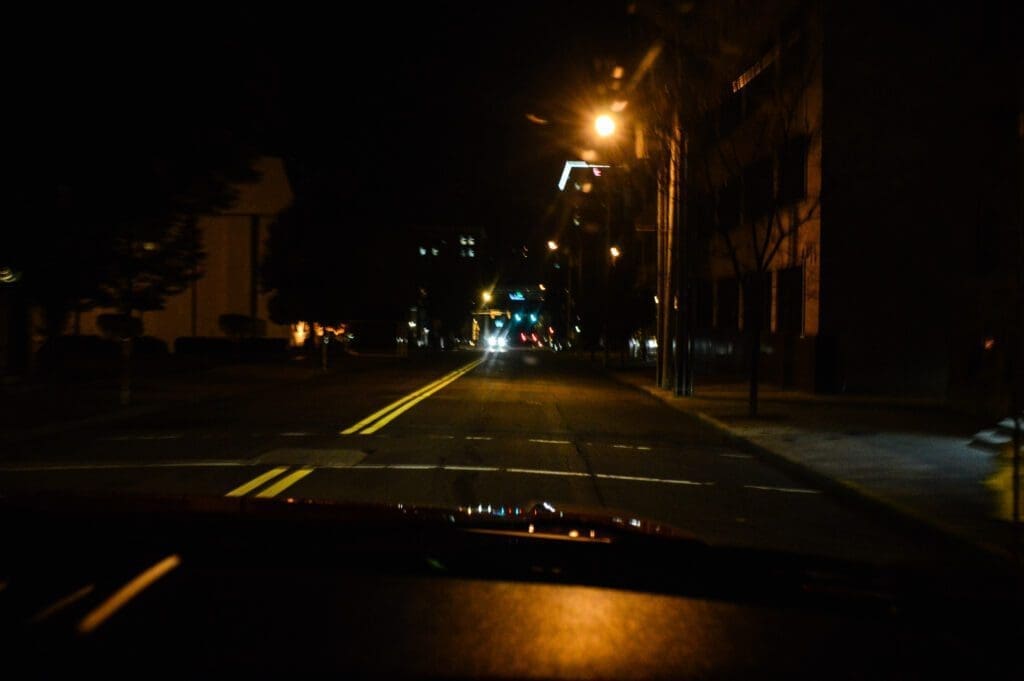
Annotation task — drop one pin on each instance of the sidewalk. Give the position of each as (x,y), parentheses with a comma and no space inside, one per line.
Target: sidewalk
(909,456)
(34,409)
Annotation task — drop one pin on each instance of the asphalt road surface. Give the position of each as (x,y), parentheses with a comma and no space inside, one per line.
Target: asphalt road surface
(468,430)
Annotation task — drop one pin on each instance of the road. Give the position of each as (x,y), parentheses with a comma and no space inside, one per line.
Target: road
(467,430)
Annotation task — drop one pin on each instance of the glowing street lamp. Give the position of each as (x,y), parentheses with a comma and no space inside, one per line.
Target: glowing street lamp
(614,250)
(605,125)
(552,245)
(487,296)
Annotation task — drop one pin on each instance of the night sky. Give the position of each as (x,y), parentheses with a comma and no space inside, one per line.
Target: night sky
(399,114)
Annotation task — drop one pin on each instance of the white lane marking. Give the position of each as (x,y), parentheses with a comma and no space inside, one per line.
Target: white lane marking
(412,467)
(551,442)
(478,437)
(534,471)
(42,468)
(737,456)
(127,592)
(793,490)
(62,603)
(172,436)
(643,448)
(638,478)
(622,446)
(441,437)
(371,466)
(295,434)
(470,468)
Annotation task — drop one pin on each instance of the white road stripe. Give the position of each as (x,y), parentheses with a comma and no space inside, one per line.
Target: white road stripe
(411,467)
(643,448)
(295,434)
(793,490)
(478,437)
(637,478)
(622,446)
(737,456)
(551,442)
(370,466)
(470,468)
(441,437)
(533,471)
(42,468)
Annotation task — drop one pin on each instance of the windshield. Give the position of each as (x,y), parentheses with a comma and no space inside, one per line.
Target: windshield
(748,270)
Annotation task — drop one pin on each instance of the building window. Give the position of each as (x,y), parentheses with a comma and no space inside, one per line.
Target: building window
(470,241)
(757,189)
(728,304)
(793,170)
(471,253)
(729,205)
(758,286)
(790,301)
(423,251)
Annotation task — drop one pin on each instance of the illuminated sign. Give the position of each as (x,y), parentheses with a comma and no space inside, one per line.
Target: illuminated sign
(516,295)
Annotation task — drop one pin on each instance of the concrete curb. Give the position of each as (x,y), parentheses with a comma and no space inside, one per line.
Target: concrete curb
(845,490)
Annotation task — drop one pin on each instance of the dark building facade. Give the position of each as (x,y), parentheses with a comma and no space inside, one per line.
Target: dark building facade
(883,144)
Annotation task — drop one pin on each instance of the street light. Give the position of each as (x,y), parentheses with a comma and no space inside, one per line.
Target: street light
(487,296)
(605,125)
(614,250)
(552,245)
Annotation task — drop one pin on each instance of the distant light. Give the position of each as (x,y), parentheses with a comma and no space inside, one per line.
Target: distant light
(614,250)
(150,246)
(462,241)
(574,533)
(522,336)
(535,119)
(588,155)
(470,241)
(652,343)
(578,329)
(618,72)
(487,296)
(605,125)
(543,288)
(989,343)
(656,301)
(434,251)
(586,187)
(597,172)
(499,323)
(412,324)
(533,318)
(619,106)
(548,506)
(423,251)
(552,245)
(8,275)
(516,295)
(518,317)
(471,253)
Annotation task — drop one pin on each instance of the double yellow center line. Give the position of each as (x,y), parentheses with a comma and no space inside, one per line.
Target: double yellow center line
(273,490)
(379,419)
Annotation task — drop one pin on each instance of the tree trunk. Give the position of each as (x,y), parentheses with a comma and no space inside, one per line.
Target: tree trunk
(755,321)
(755,366)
